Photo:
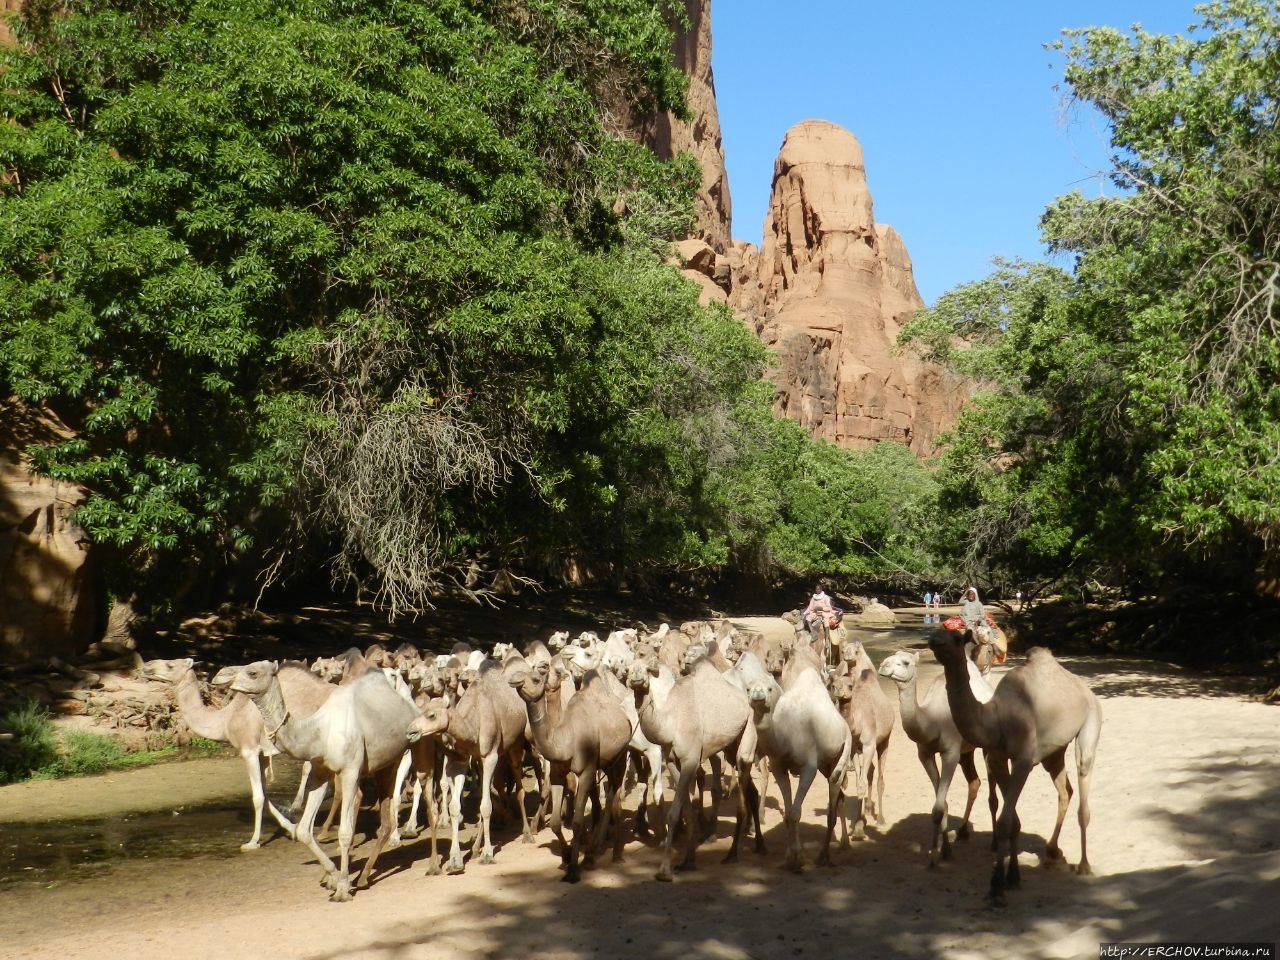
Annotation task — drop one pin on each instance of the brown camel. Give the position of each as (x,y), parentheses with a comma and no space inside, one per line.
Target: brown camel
(590,737)
(1037,710)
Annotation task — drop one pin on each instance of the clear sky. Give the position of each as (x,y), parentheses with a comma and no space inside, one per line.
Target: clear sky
(965,137)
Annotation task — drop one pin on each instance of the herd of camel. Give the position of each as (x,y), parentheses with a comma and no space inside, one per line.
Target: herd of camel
(699,706)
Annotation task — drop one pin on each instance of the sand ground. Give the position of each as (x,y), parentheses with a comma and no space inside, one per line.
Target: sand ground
(1185,844)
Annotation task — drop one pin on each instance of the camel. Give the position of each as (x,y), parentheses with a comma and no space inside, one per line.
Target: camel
(590,737)
(932,729)
(238,723)
(704,715)
(869,716)
(853,659)
(362,729)
(805,734)
(1037,710)
(487,722)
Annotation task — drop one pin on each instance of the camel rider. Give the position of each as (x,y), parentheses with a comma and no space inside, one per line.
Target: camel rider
(820,605)
(971,611)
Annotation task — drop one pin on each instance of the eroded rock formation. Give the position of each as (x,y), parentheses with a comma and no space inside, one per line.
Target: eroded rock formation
(46,592)
(668,135)
(832,291)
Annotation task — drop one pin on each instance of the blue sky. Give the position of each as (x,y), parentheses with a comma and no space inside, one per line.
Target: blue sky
(964,137)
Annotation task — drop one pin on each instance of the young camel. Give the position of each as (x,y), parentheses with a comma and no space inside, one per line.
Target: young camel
(805,734)
(704,716)
(238,723)
(932,729)
(869,716)
(488,722)
(362,729)
(589,738)
(1037,710)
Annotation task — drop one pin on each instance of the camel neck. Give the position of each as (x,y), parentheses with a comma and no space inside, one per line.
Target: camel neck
(274,713)
(969,714)
(204,720)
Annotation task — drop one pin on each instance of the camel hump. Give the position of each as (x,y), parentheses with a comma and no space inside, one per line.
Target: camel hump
(1040,655)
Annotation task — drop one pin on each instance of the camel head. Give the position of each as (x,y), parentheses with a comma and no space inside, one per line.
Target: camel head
(531,683)
(641,669)
(948,646)
(762,695)
(376,655)
(502,650)
(557,640)
(842,688)
(254,679)
(434,719)
(170,671)
(775,661)
(692,654)
(850,649)
(406,657)
(901,667)
(326,668)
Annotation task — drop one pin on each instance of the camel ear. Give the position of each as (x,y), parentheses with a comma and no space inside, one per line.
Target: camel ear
(518,677)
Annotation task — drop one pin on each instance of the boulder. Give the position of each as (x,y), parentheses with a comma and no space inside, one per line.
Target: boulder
(872,614)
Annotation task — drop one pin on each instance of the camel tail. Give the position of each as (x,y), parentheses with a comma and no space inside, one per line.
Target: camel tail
(271,769)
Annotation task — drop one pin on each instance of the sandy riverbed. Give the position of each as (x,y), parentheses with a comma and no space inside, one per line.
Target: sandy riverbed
(1185,842)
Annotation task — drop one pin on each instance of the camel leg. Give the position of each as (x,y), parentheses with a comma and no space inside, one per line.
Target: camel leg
(487,767)
(1007,833)
(402,772)
(255,762)
(882,754)
(1056,766)
(835,797)
(300,797)
(654,790)
(1086,750)
(334,806)
(795,855)
(939,846)
(615,777)
(306,829)
(558,789)
(756,805)
(455,772)
(748,802)
(862,759)
(388,781)
(679,801)
(997,780)
(515,757)
(586,781)
(971,777)
(350,781)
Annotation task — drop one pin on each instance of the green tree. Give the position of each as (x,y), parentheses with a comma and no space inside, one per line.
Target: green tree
(1128,424)
(361,265)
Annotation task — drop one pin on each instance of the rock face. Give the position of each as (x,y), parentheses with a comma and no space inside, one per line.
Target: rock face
(7,7)
(668,135)
(46,591)
(833,290)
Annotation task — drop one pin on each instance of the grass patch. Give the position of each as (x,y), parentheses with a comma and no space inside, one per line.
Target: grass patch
(37,753)
(33,746)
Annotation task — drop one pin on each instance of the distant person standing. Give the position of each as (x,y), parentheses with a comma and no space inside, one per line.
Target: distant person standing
(928,598)
(1019,600)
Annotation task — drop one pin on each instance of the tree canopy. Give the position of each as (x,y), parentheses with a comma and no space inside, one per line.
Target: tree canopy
(380,284)
(1128,426)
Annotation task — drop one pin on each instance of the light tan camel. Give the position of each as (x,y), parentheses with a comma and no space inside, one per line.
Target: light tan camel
(362,729)
(238,723)
(1037,710)
(487,723)
(590,737)
(704,715)
(804,735)
(869,716)
(932,729)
